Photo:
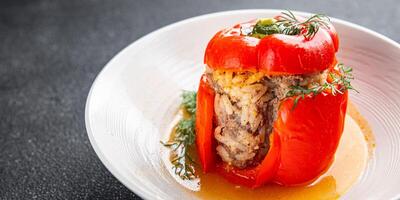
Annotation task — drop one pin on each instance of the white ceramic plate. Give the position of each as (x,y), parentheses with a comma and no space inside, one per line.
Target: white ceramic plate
(134,99)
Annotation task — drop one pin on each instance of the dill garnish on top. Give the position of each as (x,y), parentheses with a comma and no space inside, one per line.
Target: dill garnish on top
(287,23)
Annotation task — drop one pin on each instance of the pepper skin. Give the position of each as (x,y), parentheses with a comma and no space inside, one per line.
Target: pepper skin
(204,125)
(309,135)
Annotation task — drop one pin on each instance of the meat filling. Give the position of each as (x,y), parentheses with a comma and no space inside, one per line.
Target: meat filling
(245,106)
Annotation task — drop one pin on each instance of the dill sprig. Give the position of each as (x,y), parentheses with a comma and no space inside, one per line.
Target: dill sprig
(184,138)
(290,25)
(339,83)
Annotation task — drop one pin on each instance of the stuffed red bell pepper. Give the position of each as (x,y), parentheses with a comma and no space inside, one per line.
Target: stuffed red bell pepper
(272,101)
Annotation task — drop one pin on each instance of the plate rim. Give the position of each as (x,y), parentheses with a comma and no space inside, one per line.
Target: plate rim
(135,187)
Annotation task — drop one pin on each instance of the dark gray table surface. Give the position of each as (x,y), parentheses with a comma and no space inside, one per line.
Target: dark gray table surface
(51,52)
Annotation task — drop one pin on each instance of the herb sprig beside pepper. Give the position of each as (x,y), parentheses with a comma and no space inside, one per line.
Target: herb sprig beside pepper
(184,138)
(189,101)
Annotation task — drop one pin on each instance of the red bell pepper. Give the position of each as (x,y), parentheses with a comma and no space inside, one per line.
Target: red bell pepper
(304,140)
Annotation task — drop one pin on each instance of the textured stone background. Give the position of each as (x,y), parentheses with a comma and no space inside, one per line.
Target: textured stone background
(50,53)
